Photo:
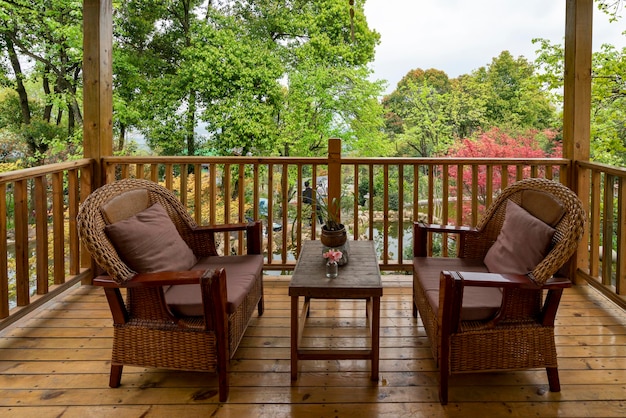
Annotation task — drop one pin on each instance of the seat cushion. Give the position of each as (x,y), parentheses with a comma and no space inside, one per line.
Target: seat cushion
(479,303)
(149,242)
(522,242)
(241,272)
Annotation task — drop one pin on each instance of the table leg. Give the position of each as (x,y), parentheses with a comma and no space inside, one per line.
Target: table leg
(294,337)
(307,304)
(375,336)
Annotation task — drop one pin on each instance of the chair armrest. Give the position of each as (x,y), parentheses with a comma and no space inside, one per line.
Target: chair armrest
(212,283)
(254,233)
(505,281)
(221,227)
(163,278)
(453,282)
(452,229)
(421,230)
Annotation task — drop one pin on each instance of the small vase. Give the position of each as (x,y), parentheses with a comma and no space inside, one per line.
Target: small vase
(332,268)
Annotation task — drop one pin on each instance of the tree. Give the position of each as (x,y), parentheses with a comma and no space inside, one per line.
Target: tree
(263,77)
(515,97)
(497,143)
(608,97)
(427,111)
(610,7)
(327,92)
(48,34)
(418,117)
(467,102)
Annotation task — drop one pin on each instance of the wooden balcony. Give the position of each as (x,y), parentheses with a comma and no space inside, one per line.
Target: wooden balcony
(55,362)
(55,338)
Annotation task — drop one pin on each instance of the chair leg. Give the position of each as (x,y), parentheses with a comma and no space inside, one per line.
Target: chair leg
(261,306)
(443,385)
(116,375)
(222,377)
(553,379)
(414,310)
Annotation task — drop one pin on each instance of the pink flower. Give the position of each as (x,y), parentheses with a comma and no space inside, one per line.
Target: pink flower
(333,255)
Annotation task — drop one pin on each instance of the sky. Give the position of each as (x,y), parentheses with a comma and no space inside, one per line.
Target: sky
(459,36)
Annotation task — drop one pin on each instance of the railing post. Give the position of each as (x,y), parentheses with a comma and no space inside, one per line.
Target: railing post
(334,174)
(577,105)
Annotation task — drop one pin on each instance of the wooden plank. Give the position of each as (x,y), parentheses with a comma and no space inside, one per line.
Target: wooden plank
(58,228)
(56,362)
(41,231)
(4,272)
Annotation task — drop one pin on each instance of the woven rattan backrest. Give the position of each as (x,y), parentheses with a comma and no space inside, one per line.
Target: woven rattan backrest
(569,226)
(92,219)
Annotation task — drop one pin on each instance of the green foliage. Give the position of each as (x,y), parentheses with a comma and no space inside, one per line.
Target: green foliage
(12,147)
(10,115)
(264,77)
(611,8)
(364,189)
(42,112)
(516,98)
(428,111)
(424,98)
(418,113)
(608,97)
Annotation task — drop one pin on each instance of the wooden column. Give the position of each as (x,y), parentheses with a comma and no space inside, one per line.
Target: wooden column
(577,102)
(97,80)
(334,174)
(97,100)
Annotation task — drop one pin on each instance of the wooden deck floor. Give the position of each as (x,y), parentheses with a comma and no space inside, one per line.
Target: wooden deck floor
(55,363)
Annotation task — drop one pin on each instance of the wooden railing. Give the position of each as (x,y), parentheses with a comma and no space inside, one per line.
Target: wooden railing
(604,264)
(40,254)
(381,198)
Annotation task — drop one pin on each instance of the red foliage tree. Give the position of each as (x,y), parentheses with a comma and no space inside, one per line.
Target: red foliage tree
(496,143)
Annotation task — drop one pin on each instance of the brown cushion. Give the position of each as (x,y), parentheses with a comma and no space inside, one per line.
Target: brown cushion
(479,303)
(241,272)
(125,205)
(522,243)
(543,206)
(149,242)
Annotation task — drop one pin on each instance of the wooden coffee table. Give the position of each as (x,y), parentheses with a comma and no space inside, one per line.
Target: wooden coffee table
(359,279)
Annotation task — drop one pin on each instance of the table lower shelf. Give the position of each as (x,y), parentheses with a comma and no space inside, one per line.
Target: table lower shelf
(298,323)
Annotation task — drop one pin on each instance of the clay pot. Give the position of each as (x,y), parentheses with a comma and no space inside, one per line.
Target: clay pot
(333,239)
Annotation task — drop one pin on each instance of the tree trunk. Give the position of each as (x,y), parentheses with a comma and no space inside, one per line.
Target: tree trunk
(47,111)
(191,124)
(19,76)
(121,139)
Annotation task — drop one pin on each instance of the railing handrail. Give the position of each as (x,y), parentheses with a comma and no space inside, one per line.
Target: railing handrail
(324,160)
(608,169)
(32,172)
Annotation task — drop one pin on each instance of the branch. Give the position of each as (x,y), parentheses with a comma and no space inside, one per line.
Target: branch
(26,52)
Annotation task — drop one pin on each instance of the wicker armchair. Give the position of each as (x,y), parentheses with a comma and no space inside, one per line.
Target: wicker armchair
(152,328)
(477,320)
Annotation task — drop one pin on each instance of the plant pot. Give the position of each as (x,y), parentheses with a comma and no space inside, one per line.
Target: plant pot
(333,239)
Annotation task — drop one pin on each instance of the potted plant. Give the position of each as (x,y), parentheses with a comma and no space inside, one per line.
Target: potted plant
(333,231)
